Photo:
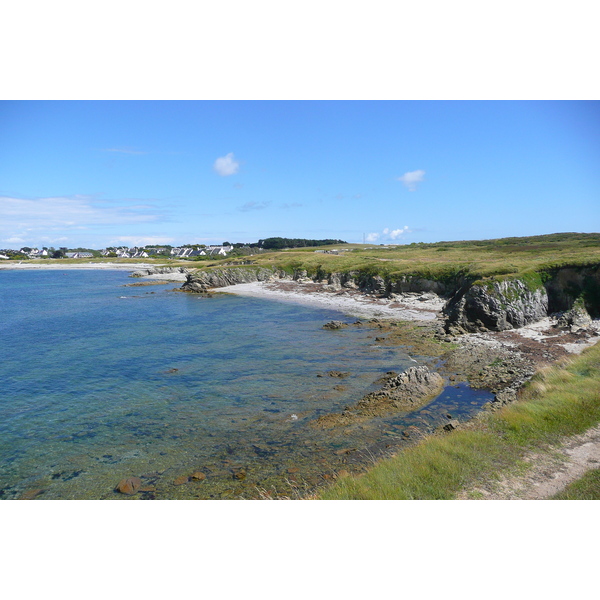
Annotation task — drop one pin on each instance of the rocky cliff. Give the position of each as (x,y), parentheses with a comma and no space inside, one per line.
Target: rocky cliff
(203,281)
(495,303)
(496,306)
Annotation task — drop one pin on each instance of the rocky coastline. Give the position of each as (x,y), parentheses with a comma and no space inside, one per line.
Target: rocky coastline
(492,334)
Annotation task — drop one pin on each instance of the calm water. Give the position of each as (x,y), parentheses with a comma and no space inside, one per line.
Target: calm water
(102,382)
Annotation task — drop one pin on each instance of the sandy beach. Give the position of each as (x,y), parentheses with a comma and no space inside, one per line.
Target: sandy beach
(351,302)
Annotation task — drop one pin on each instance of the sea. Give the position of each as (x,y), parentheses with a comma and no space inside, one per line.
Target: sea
(198,397)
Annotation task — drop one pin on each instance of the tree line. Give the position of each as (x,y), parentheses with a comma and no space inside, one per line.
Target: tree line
(278,243)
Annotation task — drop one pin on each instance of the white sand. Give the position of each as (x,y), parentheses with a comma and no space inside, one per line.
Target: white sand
(350,303)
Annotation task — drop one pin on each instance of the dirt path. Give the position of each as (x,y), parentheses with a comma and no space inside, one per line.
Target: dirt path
(550,472)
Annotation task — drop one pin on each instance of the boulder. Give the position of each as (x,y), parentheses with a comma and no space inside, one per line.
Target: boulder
(576,318)
(129,486)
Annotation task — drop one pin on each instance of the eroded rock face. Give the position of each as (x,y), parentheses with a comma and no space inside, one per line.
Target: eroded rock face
(203,281)
(496,306)
(157,271)
(408,391)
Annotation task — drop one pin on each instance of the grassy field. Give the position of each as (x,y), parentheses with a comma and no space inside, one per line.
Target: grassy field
(559,401)
(585,488)
(440,260)
(508,256)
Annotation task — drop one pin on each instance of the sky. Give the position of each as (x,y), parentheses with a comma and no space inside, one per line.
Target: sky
(104,173)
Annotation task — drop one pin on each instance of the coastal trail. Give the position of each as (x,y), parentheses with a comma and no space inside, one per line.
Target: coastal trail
(549,471)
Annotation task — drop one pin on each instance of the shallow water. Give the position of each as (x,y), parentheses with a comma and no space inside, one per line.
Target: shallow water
(102,382)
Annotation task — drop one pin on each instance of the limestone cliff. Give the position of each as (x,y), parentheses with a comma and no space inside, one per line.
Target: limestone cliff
(496,306)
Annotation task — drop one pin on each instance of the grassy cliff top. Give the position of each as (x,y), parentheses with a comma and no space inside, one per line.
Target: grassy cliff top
(507,256)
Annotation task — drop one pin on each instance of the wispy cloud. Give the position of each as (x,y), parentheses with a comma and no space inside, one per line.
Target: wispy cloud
(127,240)
(291,205)
(254,206)
(32,219)
(124,150)
(372,237)
(411,179)
(226,165)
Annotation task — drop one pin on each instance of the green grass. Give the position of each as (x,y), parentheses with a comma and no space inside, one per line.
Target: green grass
(444,261)
(585,488)
(530,258)
(559,401)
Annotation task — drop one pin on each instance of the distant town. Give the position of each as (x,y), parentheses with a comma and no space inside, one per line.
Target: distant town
(187,251)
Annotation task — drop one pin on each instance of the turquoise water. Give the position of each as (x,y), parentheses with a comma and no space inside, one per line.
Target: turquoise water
(102,382)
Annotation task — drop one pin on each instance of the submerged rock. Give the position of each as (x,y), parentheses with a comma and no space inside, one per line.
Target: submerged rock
(129,486)
(402,393)
(335,325)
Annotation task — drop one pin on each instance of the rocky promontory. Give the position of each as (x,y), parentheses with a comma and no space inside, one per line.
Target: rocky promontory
(203,281)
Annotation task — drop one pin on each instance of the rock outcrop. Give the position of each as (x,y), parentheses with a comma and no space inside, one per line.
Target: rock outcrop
(408,391)
(202,281)
(158,271)
(496,306)
(575,319)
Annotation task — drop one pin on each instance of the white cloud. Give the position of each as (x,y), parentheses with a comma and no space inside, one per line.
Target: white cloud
(411,179)
(254,206)
(53,218)
(126,240)
(396,233)
(13,240)
(388,234)
(226,165)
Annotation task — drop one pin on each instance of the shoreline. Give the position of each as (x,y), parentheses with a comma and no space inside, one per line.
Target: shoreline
(350,302)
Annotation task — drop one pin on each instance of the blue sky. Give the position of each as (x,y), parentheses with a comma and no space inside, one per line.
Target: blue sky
(102,173)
